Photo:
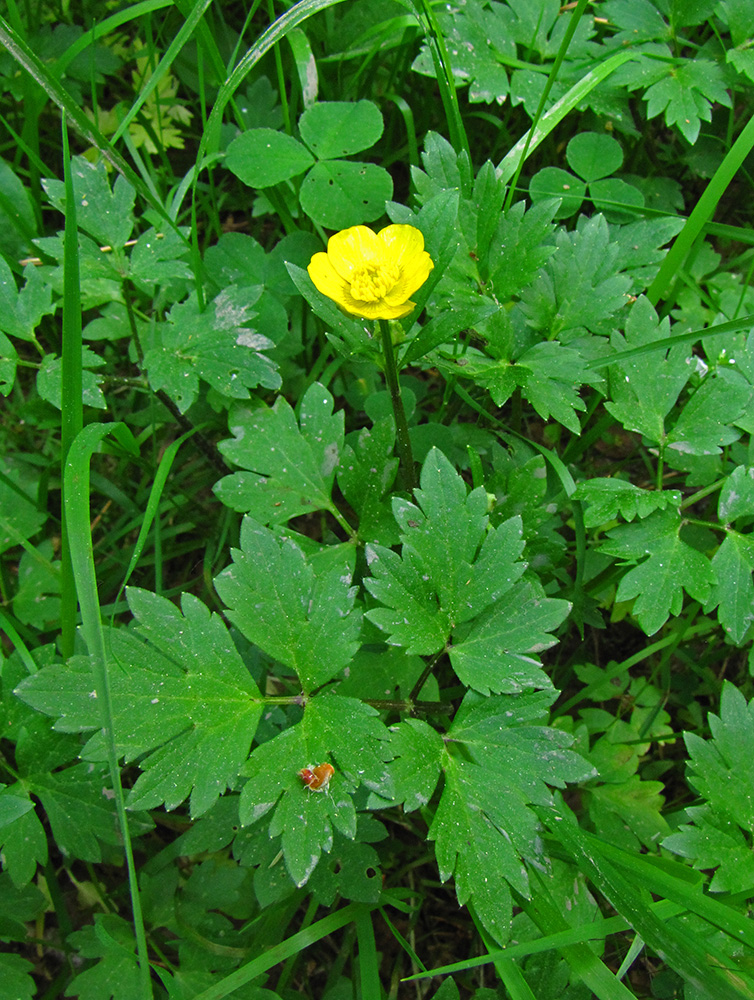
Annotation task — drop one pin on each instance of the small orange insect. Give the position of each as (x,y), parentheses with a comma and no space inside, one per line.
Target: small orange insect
(317,778)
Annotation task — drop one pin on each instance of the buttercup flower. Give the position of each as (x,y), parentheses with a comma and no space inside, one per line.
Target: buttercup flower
(372,275)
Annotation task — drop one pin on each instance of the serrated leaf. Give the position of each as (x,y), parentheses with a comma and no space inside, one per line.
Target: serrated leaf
(216,345)
(365,474)
(495,652)
(20,516)
(643,391)
(341,193)
(686,95)
(185,691)
(415,770)
(343,729)
(116,973)
(520,247)
(50,380)
(303,619)
(722,772)
(263,157)
(632,803)
(578,288)
(737,495)
(670,567)
(451,566)
(339,128)
(16,978)
(733,564)
(22,836)
(350,870)
(106,215)
(157,257)
(21,311)
(703,426)
(292,467)
(606,498)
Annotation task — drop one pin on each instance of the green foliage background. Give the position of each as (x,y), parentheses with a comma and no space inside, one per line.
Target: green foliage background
(531,673)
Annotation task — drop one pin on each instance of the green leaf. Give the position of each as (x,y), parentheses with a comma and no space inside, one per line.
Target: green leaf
(50,380)
(20,516)
(418,751)
(578,288)
(554,182)
(344,729)
(365,474)
(703,426)
(670,567)
(22,836)
(16,979)
(18,226)
(157,257)
(593,155)
(304,619)
(182,692)
(116,973)
(642,391)
(733,564)
(737,495)
(630,805)
(106,215)
(722,771)
(291,469)
(216,345)
(451,566)
(609,196)
(350,870)
(8,362)
(79,808)
(520,247)
(495,653)
(341,193)
(686,95)
(339,128)
(21,311)
(606,498)
(263,157)
(484,827)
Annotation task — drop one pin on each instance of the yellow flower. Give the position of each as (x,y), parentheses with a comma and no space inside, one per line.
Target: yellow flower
(370,274)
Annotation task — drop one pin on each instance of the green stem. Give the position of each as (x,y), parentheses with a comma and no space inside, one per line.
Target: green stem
(401,425)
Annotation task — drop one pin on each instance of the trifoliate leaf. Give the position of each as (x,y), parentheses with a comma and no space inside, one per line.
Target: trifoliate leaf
(606,498)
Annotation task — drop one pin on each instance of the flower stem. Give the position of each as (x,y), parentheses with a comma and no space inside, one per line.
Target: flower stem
(401,425)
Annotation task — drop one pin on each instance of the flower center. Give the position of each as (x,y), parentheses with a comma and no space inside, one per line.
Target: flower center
(372,282)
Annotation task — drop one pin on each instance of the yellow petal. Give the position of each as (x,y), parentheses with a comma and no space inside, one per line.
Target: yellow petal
(350,248)
(415,273)
(375,310)
(403,243)
(326,279)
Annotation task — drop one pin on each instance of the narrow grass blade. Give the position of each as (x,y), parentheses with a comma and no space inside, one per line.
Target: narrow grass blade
(76,509)
(702,212)
(72,407)
(690,337)
(536,135)
(7,626)
(274,956)
(552,76)
(695,959)
(369,974)
(153,504)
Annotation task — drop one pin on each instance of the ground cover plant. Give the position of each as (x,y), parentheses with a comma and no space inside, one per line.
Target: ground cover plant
(376,494)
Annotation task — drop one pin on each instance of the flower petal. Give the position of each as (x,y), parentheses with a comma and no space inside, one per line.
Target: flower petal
(374,310)
(403,243)
(351,248)
(414,274)
(326,279)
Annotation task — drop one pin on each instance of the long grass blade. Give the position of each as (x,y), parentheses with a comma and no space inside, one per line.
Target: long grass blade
(76,497)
